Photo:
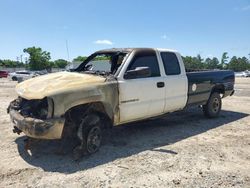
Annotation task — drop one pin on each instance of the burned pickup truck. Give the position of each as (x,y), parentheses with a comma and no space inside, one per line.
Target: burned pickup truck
(113,87)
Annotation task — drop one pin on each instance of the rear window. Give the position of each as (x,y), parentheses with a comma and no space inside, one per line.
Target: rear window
(171,63)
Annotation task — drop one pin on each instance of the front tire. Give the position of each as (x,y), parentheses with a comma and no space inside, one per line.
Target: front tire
(94,137)
(213,107)
(90,136)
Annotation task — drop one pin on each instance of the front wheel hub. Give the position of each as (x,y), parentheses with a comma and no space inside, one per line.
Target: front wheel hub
(94,139)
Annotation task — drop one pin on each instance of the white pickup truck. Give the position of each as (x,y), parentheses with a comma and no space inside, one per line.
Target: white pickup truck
(113,87)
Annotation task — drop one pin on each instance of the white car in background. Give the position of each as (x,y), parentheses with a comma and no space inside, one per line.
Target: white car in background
(246,73)
(239,74)
(21,75)
(243,74)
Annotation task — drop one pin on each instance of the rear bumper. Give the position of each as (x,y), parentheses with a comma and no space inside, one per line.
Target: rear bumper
(232,93)
(37,128)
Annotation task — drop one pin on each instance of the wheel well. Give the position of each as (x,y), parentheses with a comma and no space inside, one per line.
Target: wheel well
(76,113)
(219,89)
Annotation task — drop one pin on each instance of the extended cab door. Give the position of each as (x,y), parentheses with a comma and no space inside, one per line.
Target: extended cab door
(175,80)
(140,98)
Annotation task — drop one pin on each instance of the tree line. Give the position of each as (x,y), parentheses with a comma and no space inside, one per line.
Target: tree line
(235,63)
(40,60)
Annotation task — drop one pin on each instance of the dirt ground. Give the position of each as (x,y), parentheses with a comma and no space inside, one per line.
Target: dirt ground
(183,149)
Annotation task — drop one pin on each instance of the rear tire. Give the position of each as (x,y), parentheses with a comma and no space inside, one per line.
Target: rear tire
(213,106)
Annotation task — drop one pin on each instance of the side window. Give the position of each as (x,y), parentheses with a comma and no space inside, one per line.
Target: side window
(171,63)
(146,60)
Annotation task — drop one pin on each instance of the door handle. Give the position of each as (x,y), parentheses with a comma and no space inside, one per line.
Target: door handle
(160,84)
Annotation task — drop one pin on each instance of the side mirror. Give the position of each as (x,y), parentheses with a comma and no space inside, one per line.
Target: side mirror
(139,72)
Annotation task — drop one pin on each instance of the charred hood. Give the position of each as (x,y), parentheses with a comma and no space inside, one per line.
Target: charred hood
(56,83)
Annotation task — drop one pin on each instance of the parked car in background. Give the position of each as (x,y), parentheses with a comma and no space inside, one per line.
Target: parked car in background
(4,74)
(39,73)
(246,73)
(243,74)
(21,75)
(239,74)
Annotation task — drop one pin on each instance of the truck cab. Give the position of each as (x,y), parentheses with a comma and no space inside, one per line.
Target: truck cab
(162,90)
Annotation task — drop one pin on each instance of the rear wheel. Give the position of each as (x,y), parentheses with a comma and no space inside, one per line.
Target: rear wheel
(89,134)
(213,106)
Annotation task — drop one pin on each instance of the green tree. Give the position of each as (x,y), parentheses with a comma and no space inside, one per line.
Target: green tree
(38,59)
(10,63)
(224,59)
(193,63)
(60,63)
(188,62)
(212,63)
(239,64)
(199,59)
(83,58)
(80,58)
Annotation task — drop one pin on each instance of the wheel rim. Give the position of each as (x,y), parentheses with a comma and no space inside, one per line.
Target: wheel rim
(94,139)
(216,105)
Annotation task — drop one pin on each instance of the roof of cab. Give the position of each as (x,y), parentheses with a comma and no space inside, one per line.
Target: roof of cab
(127,50)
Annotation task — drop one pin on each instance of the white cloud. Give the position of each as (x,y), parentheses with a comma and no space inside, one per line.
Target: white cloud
(107,42)
(246,8)
(165,37)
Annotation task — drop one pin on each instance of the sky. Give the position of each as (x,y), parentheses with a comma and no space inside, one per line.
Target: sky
(191,27)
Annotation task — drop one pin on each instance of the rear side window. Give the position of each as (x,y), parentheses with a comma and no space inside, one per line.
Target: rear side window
(171,63)
(146,60)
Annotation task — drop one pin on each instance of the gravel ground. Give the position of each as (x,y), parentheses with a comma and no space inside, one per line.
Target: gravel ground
(183,149)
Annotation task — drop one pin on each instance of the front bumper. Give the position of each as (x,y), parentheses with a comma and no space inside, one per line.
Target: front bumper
(37,128)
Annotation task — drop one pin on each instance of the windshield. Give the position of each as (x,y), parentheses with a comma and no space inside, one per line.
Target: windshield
(103,63)
(100,62)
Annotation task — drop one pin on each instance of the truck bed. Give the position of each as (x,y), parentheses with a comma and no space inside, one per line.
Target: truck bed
(202,83)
